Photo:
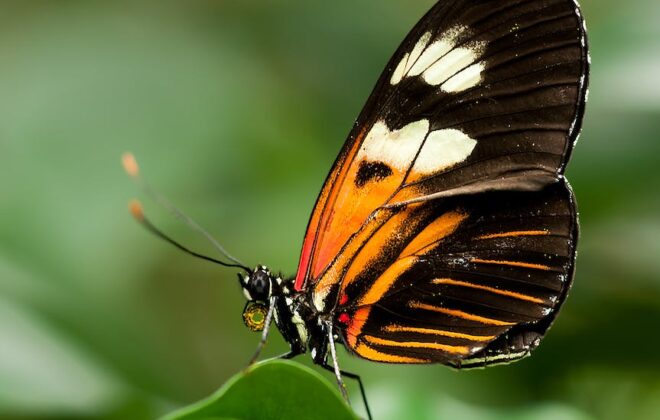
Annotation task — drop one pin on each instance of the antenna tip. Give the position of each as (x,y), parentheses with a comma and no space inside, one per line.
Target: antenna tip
(130,164)
(135,207)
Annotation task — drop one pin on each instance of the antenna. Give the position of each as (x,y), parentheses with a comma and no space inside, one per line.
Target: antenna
(137,211)
(133,170)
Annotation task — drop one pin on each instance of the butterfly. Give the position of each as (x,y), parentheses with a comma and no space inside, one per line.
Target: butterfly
(445,231)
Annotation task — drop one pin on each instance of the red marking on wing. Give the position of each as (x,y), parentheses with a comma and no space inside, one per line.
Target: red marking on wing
(343,300)
(304,262)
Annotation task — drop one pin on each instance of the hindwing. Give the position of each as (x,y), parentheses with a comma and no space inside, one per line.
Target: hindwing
(476,280)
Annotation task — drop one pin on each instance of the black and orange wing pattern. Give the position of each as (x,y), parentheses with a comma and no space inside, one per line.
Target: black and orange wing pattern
(445,231)
(476,280)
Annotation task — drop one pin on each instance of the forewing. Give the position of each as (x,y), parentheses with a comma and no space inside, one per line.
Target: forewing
(478,281)
(481,96)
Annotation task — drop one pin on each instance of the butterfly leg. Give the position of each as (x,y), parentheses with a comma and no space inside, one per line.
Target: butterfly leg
(264,333)
(286,356)
(339,373)
(335,364)
(359,381)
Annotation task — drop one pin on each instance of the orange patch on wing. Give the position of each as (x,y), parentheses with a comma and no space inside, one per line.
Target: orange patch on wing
(336,270)
(323,206)
(386,280)
(444,333)
(369,353)
(452,282)
(511,263)
(462,350)
(351,210)
(358,319)
(434,232)
(460,314)
(402,224)
(515,233)
(407,194)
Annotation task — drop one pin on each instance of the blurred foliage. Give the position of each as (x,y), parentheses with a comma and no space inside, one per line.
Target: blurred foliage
(236,110)
(259,393)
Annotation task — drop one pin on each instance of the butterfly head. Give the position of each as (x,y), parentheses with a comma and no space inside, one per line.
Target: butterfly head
(257,285)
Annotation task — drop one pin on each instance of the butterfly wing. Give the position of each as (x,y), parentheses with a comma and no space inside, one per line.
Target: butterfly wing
(481,96)
(474,279)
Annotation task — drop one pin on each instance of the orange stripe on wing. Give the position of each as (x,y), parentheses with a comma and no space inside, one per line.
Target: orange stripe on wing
(386,280)
(399,328)
(512,263)
(332,276)
(515,233)
(358,319)
(441,227)
(462,350)
(367,352)
(402,224)
(460,314)
(452,282)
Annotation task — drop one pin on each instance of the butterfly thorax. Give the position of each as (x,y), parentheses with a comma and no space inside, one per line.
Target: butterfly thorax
(293,316)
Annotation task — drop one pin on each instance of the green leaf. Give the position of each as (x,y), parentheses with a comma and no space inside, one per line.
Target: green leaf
(276,389)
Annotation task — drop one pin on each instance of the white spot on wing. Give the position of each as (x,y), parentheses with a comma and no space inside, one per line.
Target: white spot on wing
(417,51)
(432,54)
(399,72)
(443,148)
(452,63)
(465,79)
(440,63)
(394,148)
(403,68)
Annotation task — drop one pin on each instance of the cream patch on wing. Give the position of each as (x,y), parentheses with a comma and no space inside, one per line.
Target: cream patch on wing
(416,53)
(432,54)
(465,79)
(399,148)
(400,70)
(408,60)
(442,63)
(394,148)
(456,63)
(442,149)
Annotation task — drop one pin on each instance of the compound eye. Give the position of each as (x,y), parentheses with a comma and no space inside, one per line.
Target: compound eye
(254,316)
(259,285)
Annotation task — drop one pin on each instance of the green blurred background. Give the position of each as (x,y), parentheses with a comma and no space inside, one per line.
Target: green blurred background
(236,110)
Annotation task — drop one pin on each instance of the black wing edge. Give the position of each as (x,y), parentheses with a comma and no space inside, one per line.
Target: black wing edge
(576,128)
